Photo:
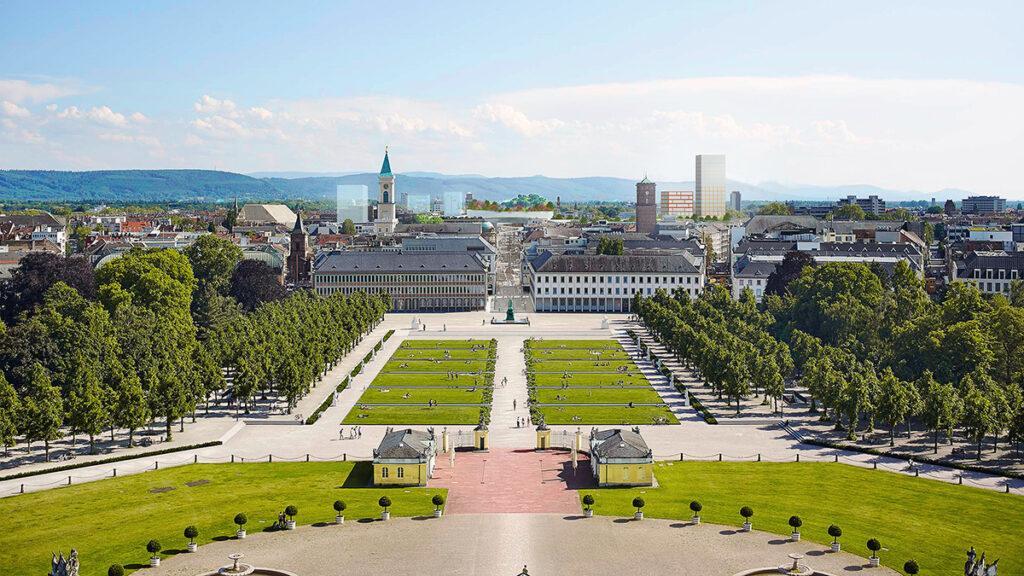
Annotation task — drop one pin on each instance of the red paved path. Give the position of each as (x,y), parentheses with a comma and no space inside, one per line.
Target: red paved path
(510,481)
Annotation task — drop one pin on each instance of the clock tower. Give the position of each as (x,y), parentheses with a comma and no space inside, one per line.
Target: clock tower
(386,220)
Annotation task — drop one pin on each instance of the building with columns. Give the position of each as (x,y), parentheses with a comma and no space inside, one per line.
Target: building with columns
(386,220)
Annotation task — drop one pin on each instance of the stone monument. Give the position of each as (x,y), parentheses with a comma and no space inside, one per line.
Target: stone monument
(59,566)
(975,566)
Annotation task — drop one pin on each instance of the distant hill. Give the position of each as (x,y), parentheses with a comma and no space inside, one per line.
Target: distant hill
(210,185)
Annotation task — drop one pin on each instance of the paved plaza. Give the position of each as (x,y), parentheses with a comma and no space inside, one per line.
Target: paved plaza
(500,544)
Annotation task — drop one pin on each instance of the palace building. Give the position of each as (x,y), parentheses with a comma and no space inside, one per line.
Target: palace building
(621,458)
(404,458)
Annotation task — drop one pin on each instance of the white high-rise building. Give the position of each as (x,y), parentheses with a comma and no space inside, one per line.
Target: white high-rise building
(709,193)
(418,203)
(352,202)
(454,202)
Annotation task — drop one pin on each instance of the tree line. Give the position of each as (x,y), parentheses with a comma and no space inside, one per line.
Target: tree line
(148,337)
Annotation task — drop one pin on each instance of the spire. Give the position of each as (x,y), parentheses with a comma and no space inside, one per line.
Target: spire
(385,169)
(298,224)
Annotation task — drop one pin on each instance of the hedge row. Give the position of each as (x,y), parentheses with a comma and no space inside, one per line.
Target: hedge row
(388,335)
(355,371)
(110,460)
(915,457)
(326,403)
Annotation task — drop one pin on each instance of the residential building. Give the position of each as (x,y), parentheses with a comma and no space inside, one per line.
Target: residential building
(983,205)
(386,219)
(592,283)
(676,203)
(992,272)
(621,458)
(646,206)
(404,458)
(736,201)
(709,192)
(416,282)
(871,205)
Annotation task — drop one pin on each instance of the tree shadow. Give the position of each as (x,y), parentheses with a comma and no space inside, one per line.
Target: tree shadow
(135,566)
(815,552)
(173,552)
(779,541)
(728,532)
(854,568)
(367,520)
(222,538)
(430,517)
(322,524)
(574,517)
(623,520)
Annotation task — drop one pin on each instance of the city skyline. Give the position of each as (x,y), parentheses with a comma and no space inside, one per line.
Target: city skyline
(317,91)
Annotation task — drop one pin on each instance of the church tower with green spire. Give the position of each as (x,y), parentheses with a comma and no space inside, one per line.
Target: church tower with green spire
(386,220)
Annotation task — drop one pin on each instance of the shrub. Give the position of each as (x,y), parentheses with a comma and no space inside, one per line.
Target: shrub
(355,371)
(290,511)
(110,460)
(339,506)
(638,503)
(191,532)
(588,501)
(795,522)
(115,570)
(153,546)
(384,503)
(240,519)
(911,567)
(746,512)
(437,501)
(874,545)
(696,507)
(835,532)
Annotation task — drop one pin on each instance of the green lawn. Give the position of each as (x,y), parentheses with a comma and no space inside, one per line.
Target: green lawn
(413,415)
(587,344)
(609,366)
(609,415)
(556,379)
(578,354)
(932,522)
(598,396)
(438,354)
(110,521)
(449,344)
(422,395)
(399,379)
(441,366)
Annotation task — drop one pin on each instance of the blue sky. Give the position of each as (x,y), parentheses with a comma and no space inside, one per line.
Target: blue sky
(816,92)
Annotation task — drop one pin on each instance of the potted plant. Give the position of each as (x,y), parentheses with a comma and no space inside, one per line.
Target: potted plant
(588,501)
(639,504)
(339,507)
(191,532)
(747,512)
(384,503)
(153,547)
(115,570)
(795,523)
(438,502)
(835,532)
(911,567)
(874,545)
(240,520)
(290,511)
(696,507)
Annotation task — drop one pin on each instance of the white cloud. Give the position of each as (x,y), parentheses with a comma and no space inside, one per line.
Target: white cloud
(22,91)
(13,110)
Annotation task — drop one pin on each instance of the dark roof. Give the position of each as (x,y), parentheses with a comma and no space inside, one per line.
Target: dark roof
(747,268)
(548,262)
(399,262)
(616,443)
(33,220)
(404,444)
(996,260)
(763,223)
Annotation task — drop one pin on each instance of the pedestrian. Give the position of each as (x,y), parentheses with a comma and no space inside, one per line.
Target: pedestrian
(514,405)
(359,429)
(341,434)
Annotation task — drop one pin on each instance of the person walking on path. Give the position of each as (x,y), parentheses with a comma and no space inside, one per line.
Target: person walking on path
(514,404)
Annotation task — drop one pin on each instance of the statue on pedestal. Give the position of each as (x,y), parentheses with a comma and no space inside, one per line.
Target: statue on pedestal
(59,566)
(976,566)
(510,315)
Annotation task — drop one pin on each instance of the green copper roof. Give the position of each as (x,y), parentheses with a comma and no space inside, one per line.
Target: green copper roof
(646,180)
(385,170)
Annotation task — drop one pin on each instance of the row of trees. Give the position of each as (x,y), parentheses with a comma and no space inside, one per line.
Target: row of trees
(727,342)
(151,340)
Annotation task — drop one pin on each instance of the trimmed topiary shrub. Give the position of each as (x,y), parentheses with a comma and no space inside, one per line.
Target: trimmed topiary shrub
(638,503)
(384,503)
(241,520)
(696,507)
(290,511)
(911,567)
(339,506)
(153,546)
(795,522)
(191,532)
(115,570)
(746,512)
(874,545)
(437,501)
(588,501)
(835,532)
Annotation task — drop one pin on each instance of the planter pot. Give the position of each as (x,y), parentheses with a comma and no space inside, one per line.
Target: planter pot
(874,561)
(588,513)
(638,516)
(437,513)
(385,515)
(240,534)
(154,561)
(339,519)
(835,547)
(289,525)
(795,536)
(695,520)
(192,546)
(747,526)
